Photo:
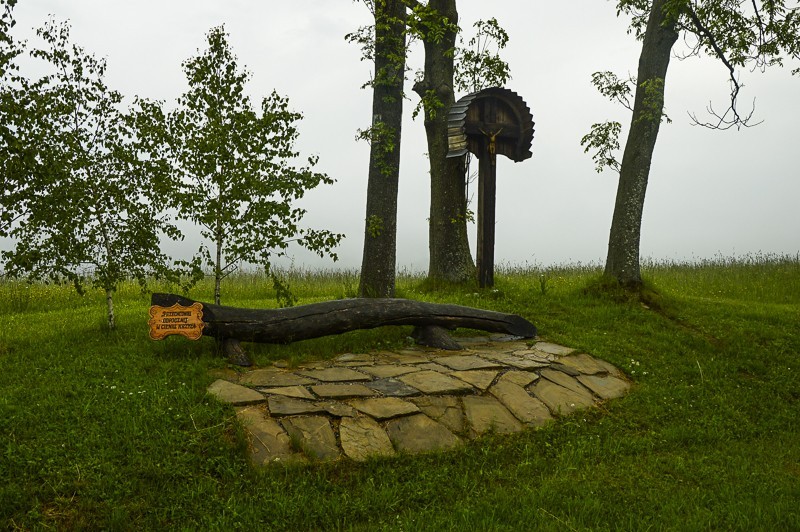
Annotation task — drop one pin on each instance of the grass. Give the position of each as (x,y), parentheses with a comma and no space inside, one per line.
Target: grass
(109,430)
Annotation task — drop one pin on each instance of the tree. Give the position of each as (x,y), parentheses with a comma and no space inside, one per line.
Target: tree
(12,152)
(91,214)
(448,244)
(436,24)
(380,234)
(466,68)
(740,34)
(233,167)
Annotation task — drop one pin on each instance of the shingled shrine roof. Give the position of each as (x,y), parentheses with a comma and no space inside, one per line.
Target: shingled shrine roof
(508,112)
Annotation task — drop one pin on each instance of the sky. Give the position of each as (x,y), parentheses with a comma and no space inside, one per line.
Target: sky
(711,193)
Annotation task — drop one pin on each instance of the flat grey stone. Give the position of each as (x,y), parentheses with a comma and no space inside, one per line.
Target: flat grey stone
(392,388)
(337,409)
(341,391)
(566,381)
(273,377)
(350,357)
(298,392)
(419,433)
(288,406)
(443,408)
(336,375)
(605,386)
(433,382)
(520,378)
(583,363)
(363,438)
(432,366)
(466,362)
(558,399)
(532,354)
(553,349)
(234,394)
(407,358)
(525,408)
(481,379)
(486,414)
(382,408)
(269,443)
(515,361)
(385,371)
(572,372)
(314,436)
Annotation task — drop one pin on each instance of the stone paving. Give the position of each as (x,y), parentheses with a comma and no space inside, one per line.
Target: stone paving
(413,400)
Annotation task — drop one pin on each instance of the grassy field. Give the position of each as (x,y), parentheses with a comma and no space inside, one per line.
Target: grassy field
(109,430)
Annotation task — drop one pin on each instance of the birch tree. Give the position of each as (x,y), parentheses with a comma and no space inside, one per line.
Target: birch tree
(91,215)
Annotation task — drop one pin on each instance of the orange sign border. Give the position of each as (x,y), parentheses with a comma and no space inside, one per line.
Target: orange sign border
(196,318)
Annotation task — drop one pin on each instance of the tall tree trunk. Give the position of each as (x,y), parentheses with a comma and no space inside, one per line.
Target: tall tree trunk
(380,235)
(450,257)
(622,262)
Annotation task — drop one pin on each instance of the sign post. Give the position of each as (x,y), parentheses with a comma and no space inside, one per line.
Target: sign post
(177,319)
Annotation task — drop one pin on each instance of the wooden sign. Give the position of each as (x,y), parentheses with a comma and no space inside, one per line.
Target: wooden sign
(177,319)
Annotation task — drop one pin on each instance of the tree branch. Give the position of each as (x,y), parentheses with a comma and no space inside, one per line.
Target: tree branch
(723,122)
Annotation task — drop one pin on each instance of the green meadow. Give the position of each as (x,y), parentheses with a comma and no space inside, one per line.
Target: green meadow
(113,431)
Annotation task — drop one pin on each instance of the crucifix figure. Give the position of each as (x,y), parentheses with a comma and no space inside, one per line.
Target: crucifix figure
(492,144)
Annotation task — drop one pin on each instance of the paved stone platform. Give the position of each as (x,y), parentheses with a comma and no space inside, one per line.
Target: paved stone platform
(413,400)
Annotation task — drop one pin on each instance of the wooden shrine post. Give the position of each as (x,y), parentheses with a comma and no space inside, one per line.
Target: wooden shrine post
(487,123)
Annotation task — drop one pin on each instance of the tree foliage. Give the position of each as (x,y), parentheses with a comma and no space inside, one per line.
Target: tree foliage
(233,167)
(739,34)
(92,215)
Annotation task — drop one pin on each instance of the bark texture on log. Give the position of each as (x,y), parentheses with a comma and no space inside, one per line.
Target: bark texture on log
(285,325)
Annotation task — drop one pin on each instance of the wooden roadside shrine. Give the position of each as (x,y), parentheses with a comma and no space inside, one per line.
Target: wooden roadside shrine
(488,123)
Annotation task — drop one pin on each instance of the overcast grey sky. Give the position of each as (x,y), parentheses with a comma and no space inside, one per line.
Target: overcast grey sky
(710,192)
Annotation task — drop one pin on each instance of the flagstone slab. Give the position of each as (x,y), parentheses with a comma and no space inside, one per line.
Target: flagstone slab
(269,443)
(363,438)
(515,361)
(314,435)
(298,392)
(520,378)
(435,383)
(392,388)
(525,408)
(355,357)
(341,391)
(234,394)
(419,434)
(572,372)
(605,386)
(559,400)
(466,362)
(566,381)
(288,406)
(532,354)
(584,363)
(337,409)
(553,349)
(336,374)
(385,371)
(445,409)
(481,379)
(432,366)
(487,414)
(273,377)
(382,408)
(413,358)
